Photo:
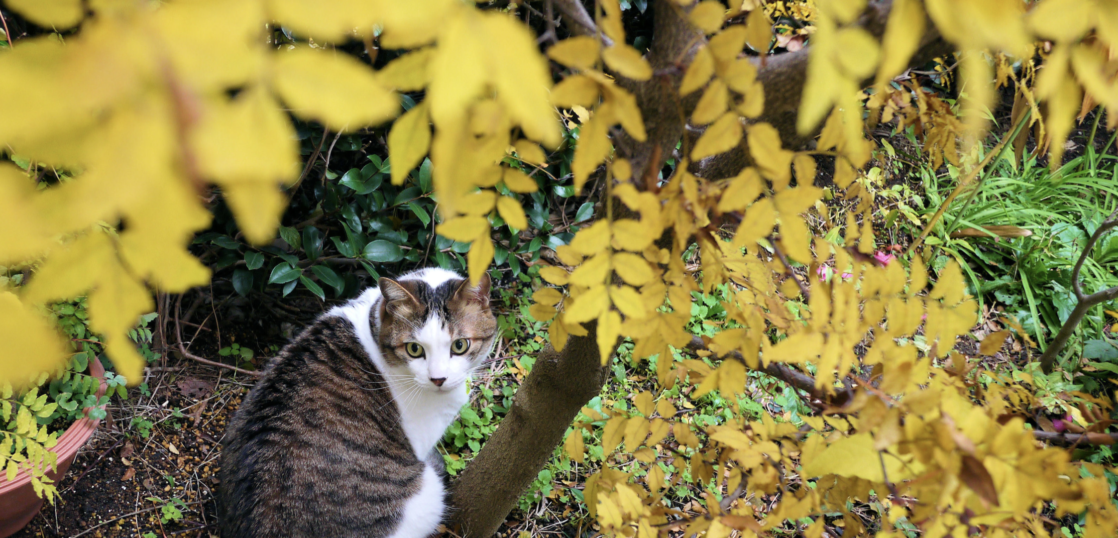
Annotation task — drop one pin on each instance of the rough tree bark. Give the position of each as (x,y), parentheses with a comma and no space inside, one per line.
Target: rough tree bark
(561,383)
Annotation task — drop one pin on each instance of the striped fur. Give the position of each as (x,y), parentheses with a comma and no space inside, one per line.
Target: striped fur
(337,438)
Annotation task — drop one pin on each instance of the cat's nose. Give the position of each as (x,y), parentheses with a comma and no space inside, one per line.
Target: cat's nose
(438,381)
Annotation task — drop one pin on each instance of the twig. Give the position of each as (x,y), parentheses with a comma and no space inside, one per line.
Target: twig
(549,18)
(1085,302)
(189,355)
(310,161)
(1092,438)
(8,35)
(130,514)
(329,152)
(788,269)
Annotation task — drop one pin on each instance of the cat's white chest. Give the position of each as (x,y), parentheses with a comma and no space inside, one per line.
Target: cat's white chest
(427,417)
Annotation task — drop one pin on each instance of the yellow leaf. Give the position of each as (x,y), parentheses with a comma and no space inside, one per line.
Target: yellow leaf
(757,222)
(162,262)
(24,232)
(612,434)
(479,257)
(902,38)
(632,235)
(547,296)
(593,148)
(247,139)
(71,271)
(855,456)
(754,103)
(665,408)
(320,22)
(406,25)
(26,334)
(742,191)
(698,73)
(575,90)
(844,173)
(459,70)
(592,239)
(726,46)
(950,286)
(1061,20)
(510,210)
(795,237)
(720,137)
(479,203)
(587,305)
(529,152)
(796,200)
(57,14)
(764,146)
(655,480)
(408,141)
(519,182)
(408,73)
(592,272)
(609,329)
(631,268)
(731,379)
(712,104)
(574,445)
(804,165)
(626,111)
(684,435)
(707,16)
(334,89)
(555,275)
(759,31)
(627,62)
(993,343)
(622,170)
(521,76)
(797,348)
(643,401)
(580,52)
(608,512)
(628,301)
(557,335)
(858,52)
(541,312)
(636,429)
(464,229)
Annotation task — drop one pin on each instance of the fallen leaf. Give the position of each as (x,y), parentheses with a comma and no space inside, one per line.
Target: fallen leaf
(129,473)
(173,450)
(192,387)
(974,474)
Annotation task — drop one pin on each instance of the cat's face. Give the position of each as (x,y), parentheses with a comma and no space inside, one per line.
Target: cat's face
(437,335)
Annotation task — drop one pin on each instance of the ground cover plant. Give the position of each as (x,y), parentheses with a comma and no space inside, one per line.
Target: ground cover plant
(758,238)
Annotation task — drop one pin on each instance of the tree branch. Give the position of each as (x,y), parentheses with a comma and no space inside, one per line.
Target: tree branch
(1092,438)
(576,19)
(817,398)
(1085,302)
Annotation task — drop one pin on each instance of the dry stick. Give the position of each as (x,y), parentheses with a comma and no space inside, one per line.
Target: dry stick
(963,184)
(310,161)
(1085,302)
(7,34)
(1094,438)
(329,152)
(189,355)
(788,269)
(130,514)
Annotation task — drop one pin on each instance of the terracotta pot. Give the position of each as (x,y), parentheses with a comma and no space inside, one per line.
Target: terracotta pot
(18,502)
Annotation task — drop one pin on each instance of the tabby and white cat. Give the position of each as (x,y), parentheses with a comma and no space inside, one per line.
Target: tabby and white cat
(337,439)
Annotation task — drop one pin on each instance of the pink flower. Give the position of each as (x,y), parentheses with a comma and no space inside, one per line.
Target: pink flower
(883,258)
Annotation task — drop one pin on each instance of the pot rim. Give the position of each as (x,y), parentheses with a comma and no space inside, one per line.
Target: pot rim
(71,441)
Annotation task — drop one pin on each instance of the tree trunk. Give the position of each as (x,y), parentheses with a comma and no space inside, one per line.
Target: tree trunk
(544,406)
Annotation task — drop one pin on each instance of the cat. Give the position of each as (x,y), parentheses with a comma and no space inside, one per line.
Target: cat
(337,439)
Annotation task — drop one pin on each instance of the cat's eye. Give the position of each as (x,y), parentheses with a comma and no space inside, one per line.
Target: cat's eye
(460,346)
(413,350)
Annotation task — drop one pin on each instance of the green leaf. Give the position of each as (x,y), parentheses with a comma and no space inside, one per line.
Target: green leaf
(224,241)
(470,415)
(254,260)
(283,274)
(312,242)
(585,211)
(383,251)
(420,212)
(355,180)
(289,286)
(242,281)
(425,175)
(291,236)
(329,277)
(311,285)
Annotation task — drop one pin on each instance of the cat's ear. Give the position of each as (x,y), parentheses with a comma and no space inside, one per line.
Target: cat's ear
(397,298)
(475,294)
